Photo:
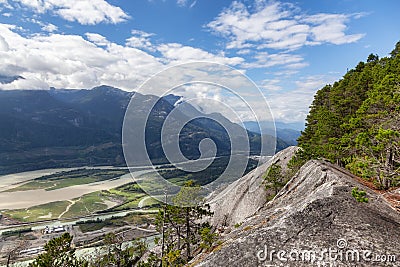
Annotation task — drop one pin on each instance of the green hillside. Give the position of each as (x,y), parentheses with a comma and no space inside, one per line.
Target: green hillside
(356,121)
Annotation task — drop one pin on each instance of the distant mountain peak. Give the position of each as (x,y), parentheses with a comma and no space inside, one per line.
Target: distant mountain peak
(5,79)
(107,89)
(173,99)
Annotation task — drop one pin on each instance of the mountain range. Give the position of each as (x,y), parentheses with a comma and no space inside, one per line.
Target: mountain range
(65,128)
(289,132)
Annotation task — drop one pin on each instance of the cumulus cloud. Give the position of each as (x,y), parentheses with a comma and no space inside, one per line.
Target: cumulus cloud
(3,44)
(87,12)
(47,27)
(331,28)
(271,85)
(178,53)
(277,25)
(71,61)
(97,39)
(266,60)
(140,39)
(293,105)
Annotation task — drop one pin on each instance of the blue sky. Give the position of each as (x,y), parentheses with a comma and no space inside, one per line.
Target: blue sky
(289,48)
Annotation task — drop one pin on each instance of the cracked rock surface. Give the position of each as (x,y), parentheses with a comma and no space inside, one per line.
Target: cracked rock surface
(314,214)
(247,195)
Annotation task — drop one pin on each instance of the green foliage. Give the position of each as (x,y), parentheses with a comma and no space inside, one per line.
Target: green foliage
(183,227)
(208,237)
(362,166)
(359,195)
(118,255)
(59,253)
(17,232)
(173,258)
(237,225)
(298,160)
(94,225)
(396,50)
(356,122)
(152,260)
(274,179)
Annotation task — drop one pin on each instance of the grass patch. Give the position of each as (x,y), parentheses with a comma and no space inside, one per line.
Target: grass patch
(150,202)
(130,219)
(130,194)
(86,205)
(69,178)
(41,212)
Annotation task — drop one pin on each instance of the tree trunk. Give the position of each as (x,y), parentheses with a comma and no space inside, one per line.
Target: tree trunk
(389,159)
(187,235)
(178,230)
(389,165)
(163,235)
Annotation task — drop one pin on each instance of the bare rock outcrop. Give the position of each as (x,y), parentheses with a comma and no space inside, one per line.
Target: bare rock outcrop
(313,221)
(247,195)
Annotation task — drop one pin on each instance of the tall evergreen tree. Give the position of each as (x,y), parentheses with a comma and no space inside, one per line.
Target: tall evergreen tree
(356,121)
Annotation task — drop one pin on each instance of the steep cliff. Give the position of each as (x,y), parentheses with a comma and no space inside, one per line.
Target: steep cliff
(313,221)
(247,195)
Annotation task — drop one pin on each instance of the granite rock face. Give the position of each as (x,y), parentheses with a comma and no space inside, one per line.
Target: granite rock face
(247,195)
(313,221)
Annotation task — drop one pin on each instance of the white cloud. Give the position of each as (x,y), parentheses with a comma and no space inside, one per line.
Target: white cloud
(174,52)
(266,60)
(181,2)
(5,4)
(4,47)
(70,61)
(277,25)
(286,73)
(83,11)
(140,39)
(193,4)
(271,85)
(331,28)
(49,28)
(98,39)
(293,105)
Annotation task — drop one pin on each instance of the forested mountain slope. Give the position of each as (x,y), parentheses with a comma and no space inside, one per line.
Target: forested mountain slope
(356,121)
(68,128)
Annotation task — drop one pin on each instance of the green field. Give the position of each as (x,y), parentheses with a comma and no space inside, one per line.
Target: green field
(125,197)
(41,212)
(70,178)
(86,205)
(130,194)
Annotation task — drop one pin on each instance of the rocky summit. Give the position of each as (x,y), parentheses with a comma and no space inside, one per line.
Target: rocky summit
(247,195)
(315,220)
